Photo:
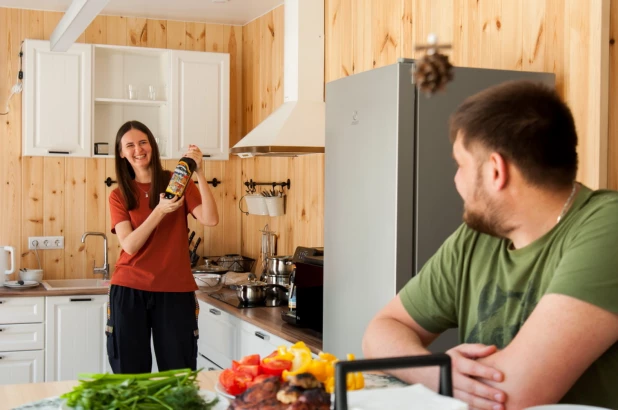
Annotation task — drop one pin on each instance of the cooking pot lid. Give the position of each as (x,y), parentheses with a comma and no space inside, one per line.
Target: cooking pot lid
(210,269)
(252,283)
(280,258)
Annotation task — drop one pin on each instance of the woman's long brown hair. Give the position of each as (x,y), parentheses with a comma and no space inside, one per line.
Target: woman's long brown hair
(125,173)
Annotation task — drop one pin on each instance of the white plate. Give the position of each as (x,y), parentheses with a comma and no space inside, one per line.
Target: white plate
(207,395)
(221,390)
(27,284)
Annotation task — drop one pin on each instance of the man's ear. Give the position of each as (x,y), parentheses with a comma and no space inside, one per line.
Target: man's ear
(499,171)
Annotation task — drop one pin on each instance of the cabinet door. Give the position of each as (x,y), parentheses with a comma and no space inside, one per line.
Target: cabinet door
(200,100)
(21,367)
(218,335)
(205,364)
(57,100)
(75,342)
(22,310)
(253,339)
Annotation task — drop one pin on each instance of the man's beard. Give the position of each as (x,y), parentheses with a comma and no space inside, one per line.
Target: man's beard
(489,221)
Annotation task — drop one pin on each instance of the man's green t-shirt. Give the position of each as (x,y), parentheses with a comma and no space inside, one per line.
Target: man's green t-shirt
(480,284)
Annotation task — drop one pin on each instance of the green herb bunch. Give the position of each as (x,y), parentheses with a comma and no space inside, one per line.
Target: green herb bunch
(171,390)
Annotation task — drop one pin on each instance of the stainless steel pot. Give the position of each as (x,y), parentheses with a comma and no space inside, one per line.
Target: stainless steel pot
(251,293)
(279,265)
(276,295)
(276,279)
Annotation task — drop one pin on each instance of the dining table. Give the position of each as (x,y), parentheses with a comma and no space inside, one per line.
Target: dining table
(16,395)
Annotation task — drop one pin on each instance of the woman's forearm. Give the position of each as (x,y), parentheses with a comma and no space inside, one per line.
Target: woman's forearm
(134,241)
(209,214)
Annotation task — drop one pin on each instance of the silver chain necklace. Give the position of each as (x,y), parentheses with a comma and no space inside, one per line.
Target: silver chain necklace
(567,203)
(145,192)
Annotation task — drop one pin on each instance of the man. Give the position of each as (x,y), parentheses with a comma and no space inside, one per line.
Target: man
(530,279)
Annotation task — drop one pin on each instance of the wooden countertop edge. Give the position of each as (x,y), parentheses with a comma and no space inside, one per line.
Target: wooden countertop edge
(41,291)
(269,319)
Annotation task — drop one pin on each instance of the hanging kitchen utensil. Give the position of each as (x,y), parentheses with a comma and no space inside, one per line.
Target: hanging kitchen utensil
(433,71)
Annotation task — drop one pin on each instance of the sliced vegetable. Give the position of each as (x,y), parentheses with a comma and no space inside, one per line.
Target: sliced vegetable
(275,367)
(253,359)
(232,382)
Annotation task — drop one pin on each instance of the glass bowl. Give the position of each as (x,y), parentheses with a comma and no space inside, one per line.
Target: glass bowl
(209,282)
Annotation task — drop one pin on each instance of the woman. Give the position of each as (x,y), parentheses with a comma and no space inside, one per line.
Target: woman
(152,289)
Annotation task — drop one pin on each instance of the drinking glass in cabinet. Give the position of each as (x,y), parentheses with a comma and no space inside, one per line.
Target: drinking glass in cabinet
(132,92)
(152,92)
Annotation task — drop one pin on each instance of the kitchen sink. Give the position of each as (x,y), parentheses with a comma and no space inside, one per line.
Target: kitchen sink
(74,284)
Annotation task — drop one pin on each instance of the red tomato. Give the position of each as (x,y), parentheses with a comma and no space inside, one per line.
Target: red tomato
(258,379)
(250,370)
(276,367)
(235,365)
(273,354)
(232,383)
(251,360)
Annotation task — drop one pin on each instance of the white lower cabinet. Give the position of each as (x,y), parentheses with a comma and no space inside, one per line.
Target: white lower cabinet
(21,367)
(253,339)
(22,340)
(75,336)
(218,335)
(205,364)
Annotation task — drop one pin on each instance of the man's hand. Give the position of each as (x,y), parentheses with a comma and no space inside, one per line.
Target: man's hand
(465,372)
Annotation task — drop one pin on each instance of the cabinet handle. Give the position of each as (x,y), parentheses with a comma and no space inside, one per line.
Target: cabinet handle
(262,336)
(214,312)
(58,152)
(1,330)
(205,155)
(81,299)
(1,302)
(1,357)
(211,368)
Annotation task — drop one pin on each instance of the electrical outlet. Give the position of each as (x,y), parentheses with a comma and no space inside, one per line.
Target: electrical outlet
(46,242)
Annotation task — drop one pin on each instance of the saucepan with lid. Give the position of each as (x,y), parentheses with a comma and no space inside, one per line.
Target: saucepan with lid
(251,292)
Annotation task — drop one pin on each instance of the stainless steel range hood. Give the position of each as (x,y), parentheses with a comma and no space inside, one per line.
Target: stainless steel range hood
(297,127)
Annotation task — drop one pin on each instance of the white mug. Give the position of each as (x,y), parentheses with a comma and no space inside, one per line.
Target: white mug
(4,259)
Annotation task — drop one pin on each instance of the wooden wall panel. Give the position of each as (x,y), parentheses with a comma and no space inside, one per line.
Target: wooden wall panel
(302,224)
(567,37)
(67,196)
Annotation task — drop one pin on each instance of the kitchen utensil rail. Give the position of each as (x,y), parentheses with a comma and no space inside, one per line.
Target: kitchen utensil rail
(251,184)
(344,367)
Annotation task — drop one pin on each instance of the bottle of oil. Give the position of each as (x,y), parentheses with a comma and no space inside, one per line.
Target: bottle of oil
(180,178)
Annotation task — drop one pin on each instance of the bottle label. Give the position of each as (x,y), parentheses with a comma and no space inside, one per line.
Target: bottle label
(179,180)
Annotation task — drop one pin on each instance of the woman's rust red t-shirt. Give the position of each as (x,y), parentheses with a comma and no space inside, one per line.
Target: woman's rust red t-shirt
(162,264)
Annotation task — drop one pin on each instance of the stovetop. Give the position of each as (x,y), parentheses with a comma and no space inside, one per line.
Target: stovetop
(229,297)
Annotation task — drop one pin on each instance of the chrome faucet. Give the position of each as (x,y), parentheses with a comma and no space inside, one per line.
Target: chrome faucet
(105,268)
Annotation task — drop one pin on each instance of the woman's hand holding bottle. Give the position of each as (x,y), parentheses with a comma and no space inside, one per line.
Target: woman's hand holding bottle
(167,206)
(195,154)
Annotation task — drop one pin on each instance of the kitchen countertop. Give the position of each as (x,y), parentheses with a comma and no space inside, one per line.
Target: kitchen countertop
(41,291)
(14,395)
(269,319)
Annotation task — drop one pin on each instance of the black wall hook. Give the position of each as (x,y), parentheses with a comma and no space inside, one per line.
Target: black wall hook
(109,181)
(214,182)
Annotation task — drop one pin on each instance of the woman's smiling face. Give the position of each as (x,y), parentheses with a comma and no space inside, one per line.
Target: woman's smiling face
(135,147)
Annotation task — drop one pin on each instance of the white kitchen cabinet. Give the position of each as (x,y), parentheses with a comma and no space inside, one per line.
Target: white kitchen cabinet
(253,339)
(75,101)
(75,336)
(218,335)
(205,364)
(21,367)
(57,106)
(22,337)
(200,96)
(146,72)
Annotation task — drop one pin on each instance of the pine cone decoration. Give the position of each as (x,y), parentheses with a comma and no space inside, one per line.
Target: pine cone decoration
(433,72)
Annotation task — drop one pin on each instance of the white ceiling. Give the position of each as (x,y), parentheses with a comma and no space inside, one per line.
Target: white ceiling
(238,12)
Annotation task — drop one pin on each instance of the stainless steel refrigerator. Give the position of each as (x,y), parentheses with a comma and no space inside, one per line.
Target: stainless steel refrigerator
(390,198)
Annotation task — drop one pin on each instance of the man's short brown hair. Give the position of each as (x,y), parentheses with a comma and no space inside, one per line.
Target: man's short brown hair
(528,124)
